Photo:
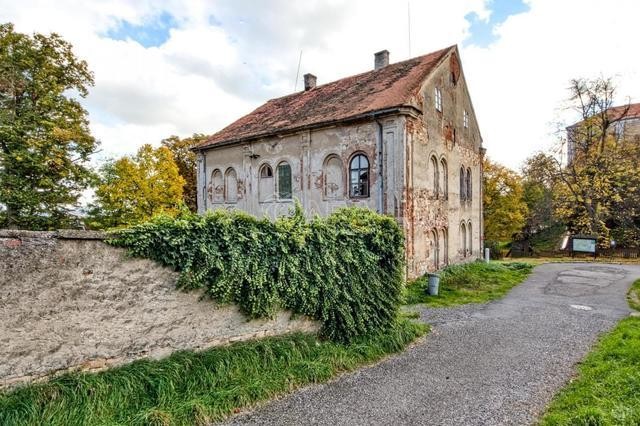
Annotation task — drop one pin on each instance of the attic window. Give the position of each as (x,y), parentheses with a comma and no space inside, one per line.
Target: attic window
(465,119)
(438,100)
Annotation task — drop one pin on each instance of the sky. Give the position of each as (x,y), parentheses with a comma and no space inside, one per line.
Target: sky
(168,67)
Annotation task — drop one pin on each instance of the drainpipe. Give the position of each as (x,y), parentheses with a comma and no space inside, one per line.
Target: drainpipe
(381,187)
(203,158)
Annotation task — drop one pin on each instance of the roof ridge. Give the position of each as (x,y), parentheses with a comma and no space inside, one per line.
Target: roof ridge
(393,85)
(399,63)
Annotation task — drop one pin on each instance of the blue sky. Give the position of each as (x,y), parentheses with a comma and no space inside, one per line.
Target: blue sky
(482,31)
(164,67)
(152,32)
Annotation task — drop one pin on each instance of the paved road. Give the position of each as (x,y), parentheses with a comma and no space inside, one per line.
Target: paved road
(498,363)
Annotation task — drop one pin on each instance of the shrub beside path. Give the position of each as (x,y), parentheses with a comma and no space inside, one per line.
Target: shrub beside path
(498,363)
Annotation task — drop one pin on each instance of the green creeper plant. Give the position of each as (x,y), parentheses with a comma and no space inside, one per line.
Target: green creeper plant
(345,270)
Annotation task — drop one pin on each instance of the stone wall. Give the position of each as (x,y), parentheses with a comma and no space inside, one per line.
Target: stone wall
(70,301)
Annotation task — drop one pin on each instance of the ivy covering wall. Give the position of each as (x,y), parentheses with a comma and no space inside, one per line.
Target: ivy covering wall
(345,270)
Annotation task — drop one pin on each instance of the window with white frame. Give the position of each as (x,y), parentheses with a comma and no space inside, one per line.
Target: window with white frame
(438,99)
(465,119)
(359,176)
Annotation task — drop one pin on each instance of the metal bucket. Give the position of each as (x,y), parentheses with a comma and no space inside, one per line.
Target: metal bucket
(434,283)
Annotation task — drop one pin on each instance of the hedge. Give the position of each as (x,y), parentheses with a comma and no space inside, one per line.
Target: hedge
(345,270)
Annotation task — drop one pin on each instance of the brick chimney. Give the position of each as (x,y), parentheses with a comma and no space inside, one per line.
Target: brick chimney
(309,81)
(381,59)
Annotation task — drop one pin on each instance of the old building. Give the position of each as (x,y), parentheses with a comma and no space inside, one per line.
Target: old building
(623,123)
(401,139)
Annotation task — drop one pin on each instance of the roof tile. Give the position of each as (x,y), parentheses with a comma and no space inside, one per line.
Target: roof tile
(392,86)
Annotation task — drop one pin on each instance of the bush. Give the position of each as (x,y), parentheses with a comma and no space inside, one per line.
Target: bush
(345,270)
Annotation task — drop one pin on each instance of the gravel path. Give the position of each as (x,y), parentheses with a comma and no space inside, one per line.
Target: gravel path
(498,363)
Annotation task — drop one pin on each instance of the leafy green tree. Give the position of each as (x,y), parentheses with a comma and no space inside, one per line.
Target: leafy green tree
(538,190)
(186,161)
(134,189)
(45,142)
(504,206)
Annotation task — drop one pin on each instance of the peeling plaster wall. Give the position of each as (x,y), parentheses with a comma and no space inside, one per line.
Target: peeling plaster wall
(401,184)
(313,183)
(68,301)
(434,219)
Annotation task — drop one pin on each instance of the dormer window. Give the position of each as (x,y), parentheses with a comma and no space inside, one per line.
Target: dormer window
(465,119)
(438,100)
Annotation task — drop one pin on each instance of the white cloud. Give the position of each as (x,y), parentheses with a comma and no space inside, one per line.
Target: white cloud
(226,57)
(519,83)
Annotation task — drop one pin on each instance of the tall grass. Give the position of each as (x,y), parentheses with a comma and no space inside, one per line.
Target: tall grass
(196,387)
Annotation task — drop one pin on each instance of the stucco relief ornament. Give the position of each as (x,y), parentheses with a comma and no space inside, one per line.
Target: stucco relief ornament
(273,147)
(210,192)
(241,189)
(333,188)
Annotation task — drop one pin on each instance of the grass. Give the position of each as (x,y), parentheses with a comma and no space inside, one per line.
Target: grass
(476,282)
(197,387)
(607,389)
(549,238)
(568,259)
(633,296)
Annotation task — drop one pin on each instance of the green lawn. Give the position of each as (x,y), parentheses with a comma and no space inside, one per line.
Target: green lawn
(607,389)
(197,387)
(476,282)
(634,296)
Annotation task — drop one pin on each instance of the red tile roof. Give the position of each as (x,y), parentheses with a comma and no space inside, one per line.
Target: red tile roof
(392,86)
(624,111)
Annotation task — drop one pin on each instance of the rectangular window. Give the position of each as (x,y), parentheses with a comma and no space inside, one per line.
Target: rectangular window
(465,119)
(284,182)
(438,99)
(619,130)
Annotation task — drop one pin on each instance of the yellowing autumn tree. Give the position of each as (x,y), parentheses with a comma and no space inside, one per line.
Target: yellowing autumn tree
(134,189)
(186,161)
(598,190)
(504,208)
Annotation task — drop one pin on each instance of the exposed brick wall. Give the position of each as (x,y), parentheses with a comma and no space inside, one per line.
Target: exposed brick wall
(70,301)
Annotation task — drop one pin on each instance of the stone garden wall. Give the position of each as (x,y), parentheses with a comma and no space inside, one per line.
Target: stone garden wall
(70,301)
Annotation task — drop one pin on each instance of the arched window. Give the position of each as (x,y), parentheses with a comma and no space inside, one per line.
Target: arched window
(468,185)
(444,178)
(470,238)
(216,193)
(231,186)
(265,184)
(359,176)
(285,187)
(333,178)
(436,175)
(463,185)
(433,248)
(266,171)
(444,246)
(463,239)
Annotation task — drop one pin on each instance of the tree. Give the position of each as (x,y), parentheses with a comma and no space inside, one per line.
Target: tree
(134,189)
(598,186)
(45,142)
(504,207)
(538,193)
(186,161)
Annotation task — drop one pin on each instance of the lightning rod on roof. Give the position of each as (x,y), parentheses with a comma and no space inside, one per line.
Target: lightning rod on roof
(295,86)
(409,25)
